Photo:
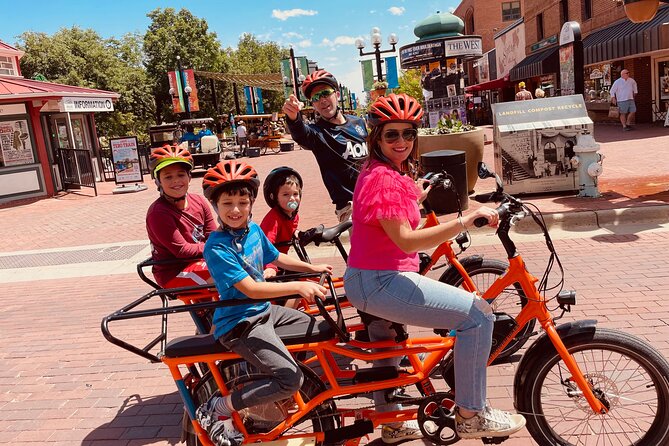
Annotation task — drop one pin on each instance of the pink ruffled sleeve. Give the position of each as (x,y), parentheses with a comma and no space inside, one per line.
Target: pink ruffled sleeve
(386,195)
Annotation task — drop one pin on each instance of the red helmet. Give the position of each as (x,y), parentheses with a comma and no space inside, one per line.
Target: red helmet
(317,78)
(395,108)
(227,172)
(167,155)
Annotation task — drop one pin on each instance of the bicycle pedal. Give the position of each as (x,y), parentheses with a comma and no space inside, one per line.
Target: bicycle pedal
(494,440)
(398,396)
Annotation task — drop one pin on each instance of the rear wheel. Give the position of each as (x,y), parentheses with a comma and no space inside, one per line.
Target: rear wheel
(484,272)
(264,417)
(626,374)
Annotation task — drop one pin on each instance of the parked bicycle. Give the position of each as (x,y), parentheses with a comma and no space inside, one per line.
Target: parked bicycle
(576,384)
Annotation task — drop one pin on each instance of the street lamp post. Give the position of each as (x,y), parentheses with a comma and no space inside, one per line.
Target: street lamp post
(297,77)
(639,11)
(185,88)
(376,41)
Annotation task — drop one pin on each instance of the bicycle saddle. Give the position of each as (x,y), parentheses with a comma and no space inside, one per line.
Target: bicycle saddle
(321,234)
(292,334)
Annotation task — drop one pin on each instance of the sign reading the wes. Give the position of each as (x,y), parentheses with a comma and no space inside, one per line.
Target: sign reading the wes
(87,105)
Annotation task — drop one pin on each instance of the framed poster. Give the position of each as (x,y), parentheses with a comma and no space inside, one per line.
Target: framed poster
(125,158)
(15,143)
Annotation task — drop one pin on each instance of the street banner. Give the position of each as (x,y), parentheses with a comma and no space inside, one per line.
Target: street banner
(367,75)
(391,72)
(354,105)
(125,159)
(250,100)
(260,107)
(176,82)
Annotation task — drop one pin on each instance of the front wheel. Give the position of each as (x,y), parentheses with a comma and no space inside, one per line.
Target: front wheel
(626,374)
(263,418)
(484,272)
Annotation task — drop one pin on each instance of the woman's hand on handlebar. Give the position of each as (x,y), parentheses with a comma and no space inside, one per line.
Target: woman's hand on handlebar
(424,186)
(481,214)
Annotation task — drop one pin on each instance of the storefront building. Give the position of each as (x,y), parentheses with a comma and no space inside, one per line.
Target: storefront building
(611,43)
(39,122)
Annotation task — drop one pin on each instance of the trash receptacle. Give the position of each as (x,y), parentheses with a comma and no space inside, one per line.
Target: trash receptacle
(445,201)
(253,152)
(286,146)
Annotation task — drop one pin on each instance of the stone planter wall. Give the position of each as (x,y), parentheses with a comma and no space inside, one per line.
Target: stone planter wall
(472,143)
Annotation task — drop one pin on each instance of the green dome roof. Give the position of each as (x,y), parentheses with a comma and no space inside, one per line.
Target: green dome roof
(441,24)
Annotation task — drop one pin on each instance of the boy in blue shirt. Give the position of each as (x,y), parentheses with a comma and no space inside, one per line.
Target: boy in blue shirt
(235,254)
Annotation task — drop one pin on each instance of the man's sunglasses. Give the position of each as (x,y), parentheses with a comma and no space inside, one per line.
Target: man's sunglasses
(392,136)
(320,95)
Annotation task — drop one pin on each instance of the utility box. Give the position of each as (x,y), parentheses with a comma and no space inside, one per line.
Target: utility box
(445,201)
(535,140)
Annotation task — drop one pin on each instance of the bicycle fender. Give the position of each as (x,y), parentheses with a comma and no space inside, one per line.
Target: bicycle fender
(543,344)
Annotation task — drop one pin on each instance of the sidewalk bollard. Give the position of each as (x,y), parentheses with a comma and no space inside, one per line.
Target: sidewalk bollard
(588,163)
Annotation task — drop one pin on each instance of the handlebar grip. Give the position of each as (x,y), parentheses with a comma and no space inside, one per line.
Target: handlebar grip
(480,222)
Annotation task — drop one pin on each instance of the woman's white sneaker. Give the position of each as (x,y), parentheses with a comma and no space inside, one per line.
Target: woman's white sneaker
(489,423)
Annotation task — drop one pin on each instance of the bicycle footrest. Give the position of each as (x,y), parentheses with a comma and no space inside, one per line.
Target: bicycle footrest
(494,440)
(358,429)
(375,374)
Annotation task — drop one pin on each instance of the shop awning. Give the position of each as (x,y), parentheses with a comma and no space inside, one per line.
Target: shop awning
(626,38)
(536,64)
(490,85)
(13,88)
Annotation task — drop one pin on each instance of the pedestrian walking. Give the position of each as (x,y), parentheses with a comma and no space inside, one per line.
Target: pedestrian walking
(242,137)
(523,95)
(623,92)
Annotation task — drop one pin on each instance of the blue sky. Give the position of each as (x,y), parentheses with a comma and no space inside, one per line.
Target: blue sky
(323,31)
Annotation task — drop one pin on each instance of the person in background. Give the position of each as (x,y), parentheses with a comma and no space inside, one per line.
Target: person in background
(539,93)
(523,95)
(190,137)
(204,131)
(338,141)
(178,222)
(242,137)
(623,92)
(382,275)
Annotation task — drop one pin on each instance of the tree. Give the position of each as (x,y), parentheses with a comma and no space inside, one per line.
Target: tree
(82,58)
(409,81)
(173,34)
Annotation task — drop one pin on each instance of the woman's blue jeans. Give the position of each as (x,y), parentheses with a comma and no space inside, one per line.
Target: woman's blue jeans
(412,299)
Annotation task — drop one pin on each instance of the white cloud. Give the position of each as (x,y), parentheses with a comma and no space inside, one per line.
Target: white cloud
(306,43)
(288,13)
(396,10)
(339,40)
(292,35)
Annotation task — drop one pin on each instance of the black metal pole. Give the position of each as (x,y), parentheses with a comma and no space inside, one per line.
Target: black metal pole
(212,83)
(293,67)
(379,71)
(234,94)
(182,81)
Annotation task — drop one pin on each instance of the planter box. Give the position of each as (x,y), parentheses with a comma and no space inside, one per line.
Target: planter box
(471,143)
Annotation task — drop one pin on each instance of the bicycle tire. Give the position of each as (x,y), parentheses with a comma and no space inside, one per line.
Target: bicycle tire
(238,372)
(484,272)
(624,371)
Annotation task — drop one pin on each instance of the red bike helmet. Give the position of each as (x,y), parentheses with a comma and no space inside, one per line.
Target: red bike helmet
(167,155)
(318,78)
(395,108)
(227,172)
(275,179)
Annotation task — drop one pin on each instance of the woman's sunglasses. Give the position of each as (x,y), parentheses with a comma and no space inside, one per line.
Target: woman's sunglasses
(320,95)
(392,136)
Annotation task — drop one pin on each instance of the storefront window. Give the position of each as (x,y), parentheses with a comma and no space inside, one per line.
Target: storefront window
(16,147)
(598,80)
(663,76)
(7,67)
(510,11)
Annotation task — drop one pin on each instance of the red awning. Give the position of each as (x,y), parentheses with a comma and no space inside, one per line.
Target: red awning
(12,88)
(490,85)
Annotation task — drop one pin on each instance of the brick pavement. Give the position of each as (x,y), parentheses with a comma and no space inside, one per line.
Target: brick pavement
(634,176)
(62,383)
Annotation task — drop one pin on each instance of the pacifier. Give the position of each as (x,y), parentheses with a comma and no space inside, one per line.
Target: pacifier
(293,205)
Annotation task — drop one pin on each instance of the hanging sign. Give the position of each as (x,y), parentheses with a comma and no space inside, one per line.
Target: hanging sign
(86,105)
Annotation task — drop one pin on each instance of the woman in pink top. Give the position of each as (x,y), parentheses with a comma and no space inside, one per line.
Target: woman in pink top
(382,277)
